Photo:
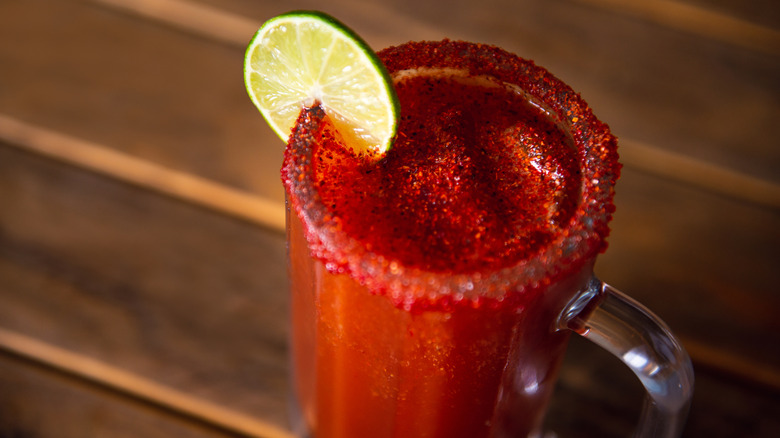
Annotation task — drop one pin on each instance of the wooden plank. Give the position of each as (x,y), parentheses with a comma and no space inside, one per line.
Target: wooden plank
(138,387)
(198,18)
(41,403)
(698,173)
(699,21)
(149,175)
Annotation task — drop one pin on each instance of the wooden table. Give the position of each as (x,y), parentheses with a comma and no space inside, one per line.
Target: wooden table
(142,260)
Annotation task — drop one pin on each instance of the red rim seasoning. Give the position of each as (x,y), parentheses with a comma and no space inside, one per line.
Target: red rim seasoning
(436,222)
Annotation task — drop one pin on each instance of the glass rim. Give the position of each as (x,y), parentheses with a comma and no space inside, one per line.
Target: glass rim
(412,288)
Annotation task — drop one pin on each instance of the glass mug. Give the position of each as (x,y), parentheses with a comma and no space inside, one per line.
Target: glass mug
(484,363)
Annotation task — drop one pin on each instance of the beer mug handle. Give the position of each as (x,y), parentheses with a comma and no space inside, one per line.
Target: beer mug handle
(628,330)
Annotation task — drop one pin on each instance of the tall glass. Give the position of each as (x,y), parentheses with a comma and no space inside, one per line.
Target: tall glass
(380,349)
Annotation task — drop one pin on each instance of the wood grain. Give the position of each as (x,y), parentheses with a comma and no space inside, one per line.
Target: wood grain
(132,385)
(700,21)
(207,21)
(143,173)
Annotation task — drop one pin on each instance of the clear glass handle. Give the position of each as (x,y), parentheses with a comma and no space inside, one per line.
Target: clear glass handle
(625,328)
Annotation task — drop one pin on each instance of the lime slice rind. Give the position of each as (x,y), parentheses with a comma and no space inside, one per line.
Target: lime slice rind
(301,57)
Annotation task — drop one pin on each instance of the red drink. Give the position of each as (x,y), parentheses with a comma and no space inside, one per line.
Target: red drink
(425,285)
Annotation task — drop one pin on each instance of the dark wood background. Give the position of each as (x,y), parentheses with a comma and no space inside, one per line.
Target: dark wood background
(142,270)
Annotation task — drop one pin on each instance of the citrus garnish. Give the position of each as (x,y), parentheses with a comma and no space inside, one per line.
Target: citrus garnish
(300,58)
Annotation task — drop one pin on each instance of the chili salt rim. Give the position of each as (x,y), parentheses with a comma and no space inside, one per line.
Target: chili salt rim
(414,289)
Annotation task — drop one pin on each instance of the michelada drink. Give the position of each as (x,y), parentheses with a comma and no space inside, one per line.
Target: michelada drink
(426,280)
